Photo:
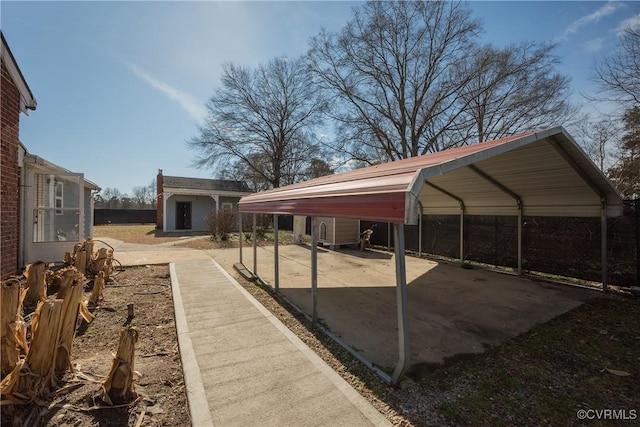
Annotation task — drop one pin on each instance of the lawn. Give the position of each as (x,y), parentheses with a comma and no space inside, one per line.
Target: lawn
(148,235)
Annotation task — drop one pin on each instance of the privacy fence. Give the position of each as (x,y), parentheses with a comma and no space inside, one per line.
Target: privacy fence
(123,216)
(555,245)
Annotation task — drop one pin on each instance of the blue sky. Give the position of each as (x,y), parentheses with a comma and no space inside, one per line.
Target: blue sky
(121,86)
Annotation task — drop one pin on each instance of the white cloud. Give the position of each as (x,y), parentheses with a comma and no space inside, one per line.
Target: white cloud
(187,102)
(632,23)
(594,45)
(607,9)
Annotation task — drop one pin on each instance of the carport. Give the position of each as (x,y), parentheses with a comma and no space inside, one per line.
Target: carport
(544,173)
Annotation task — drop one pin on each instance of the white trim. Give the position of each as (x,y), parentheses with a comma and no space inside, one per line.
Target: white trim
(27,100)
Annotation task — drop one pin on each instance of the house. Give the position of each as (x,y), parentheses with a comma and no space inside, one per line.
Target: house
(44,208)
(184,203)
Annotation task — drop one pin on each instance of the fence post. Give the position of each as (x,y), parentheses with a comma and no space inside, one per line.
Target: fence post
(636,209)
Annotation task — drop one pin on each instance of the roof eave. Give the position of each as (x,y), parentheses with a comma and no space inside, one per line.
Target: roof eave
(27,100)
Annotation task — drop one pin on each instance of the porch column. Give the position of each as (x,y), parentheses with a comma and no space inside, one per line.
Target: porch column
(402,309)
(314,269)
(276,260)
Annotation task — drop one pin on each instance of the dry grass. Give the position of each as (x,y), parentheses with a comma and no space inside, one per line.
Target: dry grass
(145,234)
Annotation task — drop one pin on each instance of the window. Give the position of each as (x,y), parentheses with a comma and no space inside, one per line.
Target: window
(323,231)
(59,199)
(227,207)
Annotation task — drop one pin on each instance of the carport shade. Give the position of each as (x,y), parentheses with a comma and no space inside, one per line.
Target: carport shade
(544,173)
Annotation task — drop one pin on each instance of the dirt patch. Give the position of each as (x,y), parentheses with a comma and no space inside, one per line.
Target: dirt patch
(160,386)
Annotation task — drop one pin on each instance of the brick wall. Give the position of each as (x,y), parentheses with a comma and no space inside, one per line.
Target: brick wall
(9,176)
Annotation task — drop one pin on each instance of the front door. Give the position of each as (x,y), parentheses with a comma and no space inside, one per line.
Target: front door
(183,215)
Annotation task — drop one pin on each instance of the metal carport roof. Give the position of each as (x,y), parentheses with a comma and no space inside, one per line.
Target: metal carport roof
(545,173)
(542,173)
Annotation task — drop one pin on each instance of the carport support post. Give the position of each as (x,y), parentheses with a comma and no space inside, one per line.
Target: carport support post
(276,270)
(461,233)
(255,246)
(603,244)
(402,305)
(519,238)
(314,270)
(240,235)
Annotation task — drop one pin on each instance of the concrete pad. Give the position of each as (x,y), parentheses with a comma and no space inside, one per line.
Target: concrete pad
(452,310)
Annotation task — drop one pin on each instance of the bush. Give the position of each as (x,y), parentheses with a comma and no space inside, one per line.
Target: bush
(220,225)
(263,222)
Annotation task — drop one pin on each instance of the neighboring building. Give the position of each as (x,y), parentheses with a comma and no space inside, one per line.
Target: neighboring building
(44,209)
(184,203)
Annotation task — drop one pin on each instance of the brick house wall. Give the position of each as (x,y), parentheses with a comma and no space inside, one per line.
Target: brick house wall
(9,176)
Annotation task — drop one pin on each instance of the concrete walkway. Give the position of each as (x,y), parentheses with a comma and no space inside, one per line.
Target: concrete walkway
(242,366)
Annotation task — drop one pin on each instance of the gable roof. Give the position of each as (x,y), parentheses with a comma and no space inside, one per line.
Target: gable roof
(202,184)
(545,173)
(27,100)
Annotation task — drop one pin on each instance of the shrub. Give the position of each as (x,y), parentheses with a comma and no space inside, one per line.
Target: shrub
(220,225)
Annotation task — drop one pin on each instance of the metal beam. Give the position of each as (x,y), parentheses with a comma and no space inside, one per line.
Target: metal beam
(314,269)
(603,246)
(420,230)
(240,235)
(461,202)
(569,159)
(276,259)
(500,186)
(404,353)
(255,246)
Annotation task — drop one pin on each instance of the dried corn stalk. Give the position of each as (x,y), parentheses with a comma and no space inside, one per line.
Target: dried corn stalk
(118,385)
(70,308)
(34,376)
(36,284)
(67,276)
(13,330)
(98,288)
(102,260)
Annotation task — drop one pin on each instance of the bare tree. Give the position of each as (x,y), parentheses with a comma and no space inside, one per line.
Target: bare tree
(140,196)
(619,73)
(395,73)
(626,172)
(263,119)
(597,138)
(512,90)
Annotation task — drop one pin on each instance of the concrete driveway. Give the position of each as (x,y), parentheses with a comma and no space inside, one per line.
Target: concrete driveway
(452,310)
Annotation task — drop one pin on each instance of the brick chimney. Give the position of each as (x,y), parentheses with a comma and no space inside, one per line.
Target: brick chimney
(159,200)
